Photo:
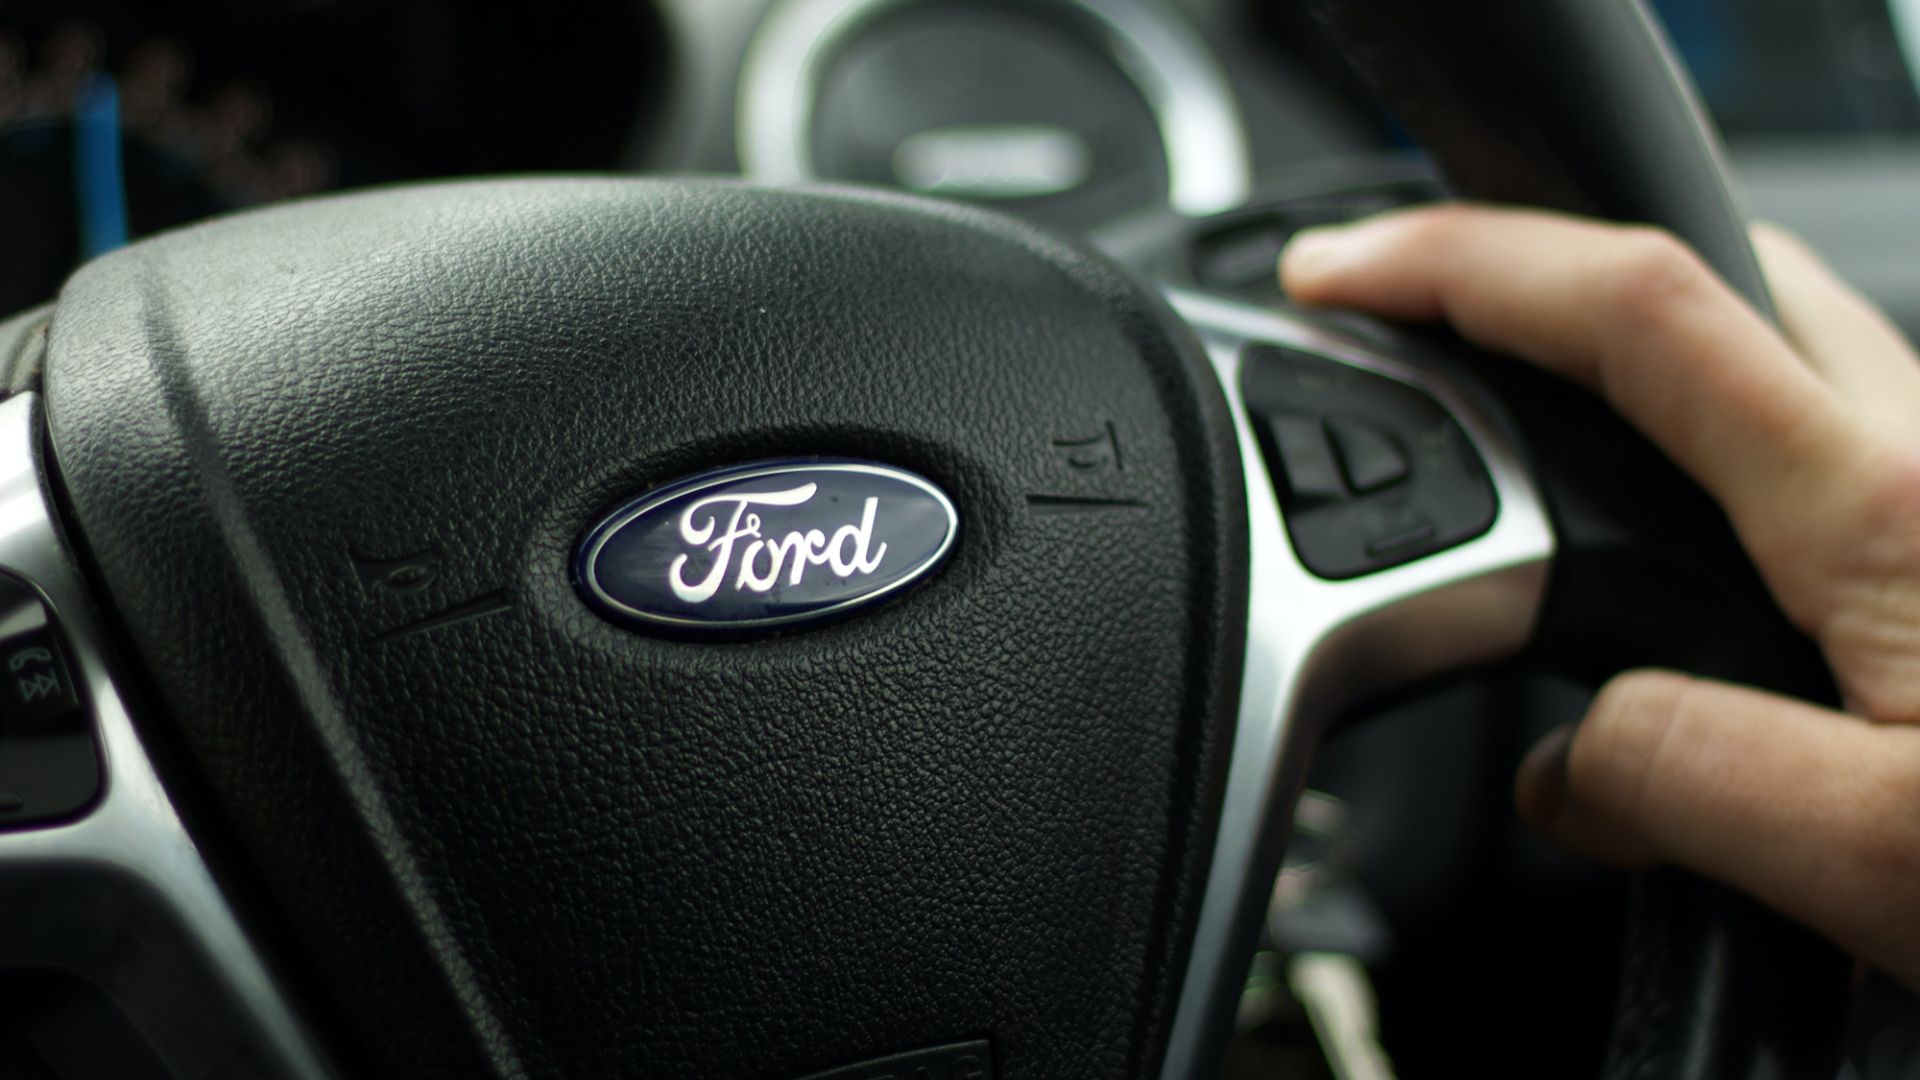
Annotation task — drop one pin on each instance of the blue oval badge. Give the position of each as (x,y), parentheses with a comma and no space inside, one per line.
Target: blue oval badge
(763,546)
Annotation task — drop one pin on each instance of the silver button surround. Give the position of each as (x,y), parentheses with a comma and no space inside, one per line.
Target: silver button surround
(1314,646)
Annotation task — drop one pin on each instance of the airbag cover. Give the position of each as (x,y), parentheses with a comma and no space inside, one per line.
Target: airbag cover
(331,464)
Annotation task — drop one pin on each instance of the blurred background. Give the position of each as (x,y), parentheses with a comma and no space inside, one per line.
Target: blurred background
(1075,113)
(119,118)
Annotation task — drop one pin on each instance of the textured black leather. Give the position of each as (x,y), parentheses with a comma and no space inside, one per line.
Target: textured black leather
(1688,1000)
(513,838)
(1578,105)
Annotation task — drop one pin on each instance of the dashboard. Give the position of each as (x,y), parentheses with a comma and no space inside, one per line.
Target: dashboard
(183,110)
(120,118)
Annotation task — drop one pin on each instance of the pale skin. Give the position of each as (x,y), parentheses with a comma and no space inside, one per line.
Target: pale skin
(1809,437)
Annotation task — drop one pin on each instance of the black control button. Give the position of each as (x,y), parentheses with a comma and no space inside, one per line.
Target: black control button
(1407,481)
(1306,458)
(34,682)
(48,765)
(1389,527)
(1370,457)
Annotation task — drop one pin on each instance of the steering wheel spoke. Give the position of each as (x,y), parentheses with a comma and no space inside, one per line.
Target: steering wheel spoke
(117,893)
(1315,645)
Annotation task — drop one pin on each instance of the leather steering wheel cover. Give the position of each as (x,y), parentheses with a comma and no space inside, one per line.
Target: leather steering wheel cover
(1578,105)
(1589,112)
(513,838)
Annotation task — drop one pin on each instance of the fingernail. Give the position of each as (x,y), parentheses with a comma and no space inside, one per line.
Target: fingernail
(1542,787)
(1313,252)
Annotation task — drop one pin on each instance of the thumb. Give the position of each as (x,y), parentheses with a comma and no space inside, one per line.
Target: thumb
(1813,812)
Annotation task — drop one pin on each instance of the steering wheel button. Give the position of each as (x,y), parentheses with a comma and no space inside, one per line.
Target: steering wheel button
(1370,457)
(1375,471)
(1306,458)
(37,692)
(48,768)
(1389,529)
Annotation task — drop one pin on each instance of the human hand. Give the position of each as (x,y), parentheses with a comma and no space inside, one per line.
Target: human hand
(1810,439)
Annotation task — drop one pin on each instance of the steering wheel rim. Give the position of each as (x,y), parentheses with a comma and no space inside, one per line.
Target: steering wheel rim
(1592,113)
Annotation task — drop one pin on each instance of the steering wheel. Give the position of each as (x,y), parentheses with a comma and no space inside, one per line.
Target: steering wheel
(601,627)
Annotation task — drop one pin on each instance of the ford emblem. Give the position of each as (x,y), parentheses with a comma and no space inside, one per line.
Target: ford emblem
(778,544)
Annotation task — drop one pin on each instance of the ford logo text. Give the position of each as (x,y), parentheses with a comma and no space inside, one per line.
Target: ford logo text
(764,546)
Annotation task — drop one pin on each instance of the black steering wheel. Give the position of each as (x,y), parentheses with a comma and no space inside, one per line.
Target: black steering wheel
(598,627)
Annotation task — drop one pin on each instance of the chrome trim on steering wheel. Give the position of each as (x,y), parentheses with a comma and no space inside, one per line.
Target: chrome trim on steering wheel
(1314,645)
(121,896)
(1208,162)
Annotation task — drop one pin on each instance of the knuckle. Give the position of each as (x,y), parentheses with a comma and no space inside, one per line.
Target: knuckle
(1885,500)
(1881,696)
(1855,588)
(1436,226)
(1653,274)
(1873,869)
(1620,745)
(1903,799)
(1886,843)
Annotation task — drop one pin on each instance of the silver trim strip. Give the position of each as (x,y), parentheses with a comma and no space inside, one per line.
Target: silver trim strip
(1313,645)
(122,896)
(1208,164)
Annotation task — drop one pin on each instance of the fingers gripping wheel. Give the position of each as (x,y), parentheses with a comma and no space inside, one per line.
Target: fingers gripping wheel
(1579,106)
(1548,131)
